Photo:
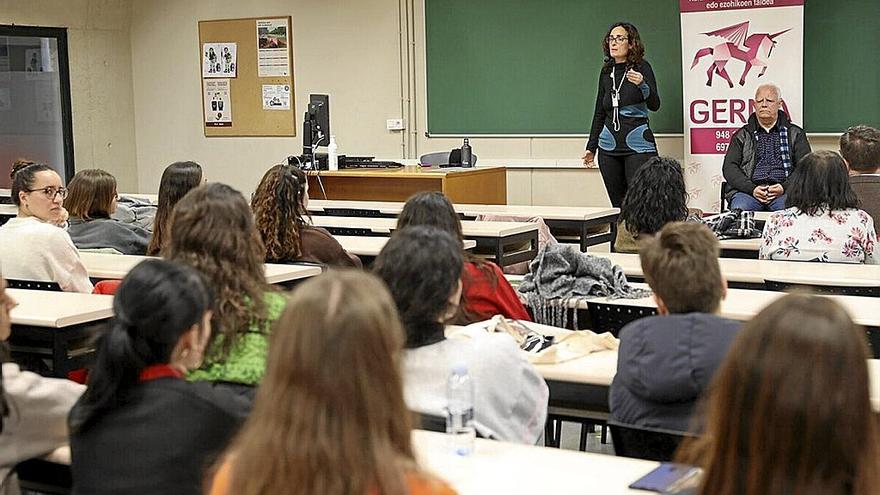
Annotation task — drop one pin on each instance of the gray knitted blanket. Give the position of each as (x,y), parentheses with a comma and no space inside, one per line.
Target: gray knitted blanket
(561,275)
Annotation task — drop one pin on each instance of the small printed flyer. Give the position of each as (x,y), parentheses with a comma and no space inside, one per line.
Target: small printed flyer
(218,108)
(219,59)
(276,97)
(273,54)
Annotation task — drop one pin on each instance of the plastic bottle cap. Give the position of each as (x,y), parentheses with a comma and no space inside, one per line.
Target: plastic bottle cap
(460,369)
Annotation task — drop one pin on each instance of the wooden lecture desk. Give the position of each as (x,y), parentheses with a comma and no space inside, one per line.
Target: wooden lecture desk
(369,247)
(116,266)
(510,468)
(560,219)
(740,248)
(468,185)
(752,274)
(57,326)
(506,240)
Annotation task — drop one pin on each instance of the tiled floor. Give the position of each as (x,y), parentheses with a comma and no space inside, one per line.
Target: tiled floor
(571,435)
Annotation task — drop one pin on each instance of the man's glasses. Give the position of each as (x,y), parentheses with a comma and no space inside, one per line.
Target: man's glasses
(618,39)
(51,192)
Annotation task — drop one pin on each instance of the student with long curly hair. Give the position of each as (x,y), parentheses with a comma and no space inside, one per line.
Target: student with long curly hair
(177,180)
(212,230)
(282,218)
(789,411)
(330,417)
(656,196)
(485,291)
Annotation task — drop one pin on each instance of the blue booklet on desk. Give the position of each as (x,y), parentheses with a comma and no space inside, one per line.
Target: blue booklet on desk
(670,478)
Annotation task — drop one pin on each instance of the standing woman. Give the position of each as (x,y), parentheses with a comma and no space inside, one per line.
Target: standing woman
(620,132)
(177,179)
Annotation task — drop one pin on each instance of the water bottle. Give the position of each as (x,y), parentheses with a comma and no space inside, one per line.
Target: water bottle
(332,154)
(460,411)
(466,157)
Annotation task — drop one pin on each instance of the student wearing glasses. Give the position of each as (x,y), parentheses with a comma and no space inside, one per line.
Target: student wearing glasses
(91,202)
(627,91)
(32,246)
(763,154)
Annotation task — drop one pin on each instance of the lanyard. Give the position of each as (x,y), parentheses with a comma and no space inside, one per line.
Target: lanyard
(615,98)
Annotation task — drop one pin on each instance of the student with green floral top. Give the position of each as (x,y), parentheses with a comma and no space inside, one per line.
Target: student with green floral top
(212,230)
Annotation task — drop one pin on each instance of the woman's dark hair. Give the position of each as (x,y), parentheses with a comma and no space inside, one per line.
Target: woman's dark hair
(4,406)
(656,196)
(212,230)
(280,212)
(90,194)
(177,179)
(636,52)
(23,175)
(433,209)
(156,303)
(796,373)
(421,266)
(820,183)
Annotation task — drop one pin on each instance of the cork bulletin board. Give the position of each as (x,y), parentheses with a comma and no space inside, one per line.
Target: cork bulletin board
(250,91)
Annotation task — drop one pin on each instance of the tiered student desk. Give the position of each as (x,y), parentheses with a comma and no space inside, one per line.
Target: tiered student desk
(460,185)
(753,274)
(505,239)
(57,326)
(740,248)
(369,247)
(560,219)
(7,211)
(115,266)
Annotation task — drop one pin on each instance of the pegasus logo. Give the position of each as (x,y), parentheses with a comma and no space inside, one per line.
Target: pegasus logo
(754,50)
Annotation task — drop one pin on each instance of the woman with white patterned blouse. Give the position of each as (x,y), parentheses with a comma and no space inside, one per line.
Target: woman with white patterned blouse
(822,220)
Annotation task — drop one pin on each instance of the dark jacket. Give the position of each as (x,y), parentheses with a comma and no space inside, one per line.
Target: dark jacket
(162,438)
(318,246)
(867,188)
(663,365)
(740,160)
(108,233)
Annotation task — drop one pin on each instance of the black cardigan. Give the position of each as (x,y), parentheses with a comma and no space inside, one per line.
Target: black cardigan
(161,439)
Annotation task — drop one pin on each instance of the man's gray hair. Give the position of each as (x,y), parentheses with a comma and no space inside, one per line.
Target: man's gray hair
(772,86)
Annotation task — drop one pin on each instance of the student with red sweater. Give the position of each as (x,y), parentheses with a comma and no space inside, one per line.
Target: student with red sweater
(485,291)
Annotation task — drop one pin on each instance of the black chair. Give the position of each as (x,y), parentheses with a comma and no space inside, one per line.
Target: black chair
(841,290)
(13,283)
(430,422)
(41,476)
(653,444)
(612,317)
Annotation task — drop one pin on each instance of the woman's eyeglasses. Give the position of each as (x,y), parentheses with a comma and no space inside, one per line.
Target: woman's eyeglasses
(51,192)
(618,39)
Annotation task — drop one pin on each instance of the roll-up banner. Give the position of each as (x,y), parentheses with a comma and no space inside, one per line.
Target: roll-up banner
(728,49)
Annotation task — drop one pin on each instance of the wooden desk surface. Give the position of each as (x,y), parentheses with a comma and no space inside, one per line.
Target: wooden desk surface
(370,246)
(470,228)
(58,309)
(502,467)
(152,198)
(575,213)
(741,244)
(406,172)
(8,210)
(756,271)
(115,266)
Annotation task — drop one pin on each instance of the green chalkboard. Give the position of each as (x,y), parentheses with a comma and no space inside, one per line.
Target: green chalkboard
(531,66)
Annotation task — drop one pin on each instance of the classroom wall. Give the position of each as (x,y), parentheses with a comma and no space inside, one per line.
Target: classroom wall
(100,77)
(349,49)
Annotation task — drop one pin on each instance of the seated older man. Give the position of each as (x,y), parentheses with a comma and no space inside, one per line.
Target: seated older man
(860,147)
(762,155)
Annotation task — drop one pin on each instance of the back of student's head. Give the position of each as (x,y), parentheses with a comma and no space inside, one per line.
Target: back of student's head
(212,230)
(23,175)
(329,416)
(280,212)
(422,268)
(432,209)
(90,194)
(796,373)
(177,180)
(656,196)
(680,264)
(820,183)
(156,303)
(860,147)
